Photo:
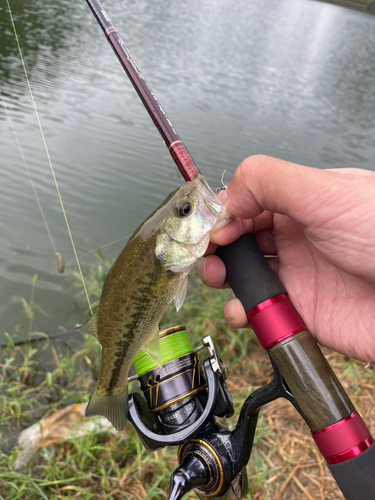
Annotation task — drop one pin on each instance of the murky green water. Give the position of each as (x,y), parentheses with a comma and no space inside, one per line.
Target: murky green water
(292,78)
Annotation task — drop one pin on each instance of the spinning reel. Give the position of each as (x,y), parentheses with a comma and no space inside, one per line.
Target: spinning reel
(179,407)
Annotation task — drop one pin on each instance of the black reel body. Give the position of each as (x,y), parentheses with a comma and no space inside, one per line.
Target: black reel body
(176,393)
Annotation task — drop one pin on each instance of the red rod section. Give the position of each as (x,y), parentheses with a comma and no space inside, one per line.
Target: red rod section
(343,440)
(177,149)
(274,320)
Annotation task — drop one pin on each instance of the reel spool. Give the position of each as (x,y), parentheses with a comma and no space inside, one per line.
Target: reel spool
(175,392)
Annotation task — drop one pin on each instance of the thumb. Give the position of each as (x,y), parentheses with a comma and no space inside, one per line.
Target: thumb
(307,195)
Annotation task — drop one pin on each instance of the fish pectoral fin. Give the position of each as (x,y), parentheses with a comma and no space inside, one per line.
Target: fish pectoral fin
(114,408)
(89,327)
(152,348)
(179,300)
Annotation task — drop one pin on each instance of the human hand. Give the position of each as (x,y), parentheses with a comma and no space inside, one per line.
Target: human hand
(321,226)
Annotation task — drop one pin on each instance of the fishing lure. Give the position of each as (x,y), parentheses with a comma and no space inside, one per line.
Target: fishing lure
(60,262)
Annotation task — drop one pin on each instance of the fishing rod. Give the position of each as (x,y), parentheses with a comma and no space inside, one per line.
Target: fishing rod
(176,147)
(179,403)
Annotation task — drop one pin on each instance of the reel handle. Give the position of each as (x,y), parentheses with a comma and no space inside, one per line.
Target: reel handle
(337,428)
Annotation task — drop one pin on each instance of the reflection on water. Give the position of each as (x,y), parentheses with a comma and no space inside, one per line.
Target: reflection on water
(292,79)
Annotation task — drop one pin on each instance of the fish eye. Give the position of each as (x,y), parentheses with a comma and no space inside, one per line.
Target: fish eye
(183,210)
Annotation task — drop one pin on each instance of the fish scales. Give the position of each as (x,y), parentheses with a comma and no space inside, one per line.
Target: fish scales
(125,323)
(148,275)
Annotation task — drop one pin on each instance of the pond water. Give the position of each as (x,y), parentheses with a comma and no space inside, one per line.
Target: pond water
(288,78)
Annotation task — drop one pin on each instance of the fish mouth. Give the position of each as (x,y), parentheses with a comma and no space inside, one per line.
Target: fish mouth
(212,208)
(215,212)
(217,209)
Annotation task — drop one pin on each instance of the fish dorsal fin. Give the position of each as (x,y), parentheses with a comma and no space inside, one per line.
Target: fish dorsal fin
(179,300)
(152,348)
(89,327)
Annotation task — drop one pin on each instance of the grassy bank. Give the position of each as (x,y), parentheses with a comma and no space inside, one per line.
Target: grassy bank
(38,379)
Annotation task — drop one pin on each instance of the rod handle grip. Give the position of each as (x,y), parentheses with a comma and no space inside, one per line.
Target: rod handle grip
(356,476)
(248,272)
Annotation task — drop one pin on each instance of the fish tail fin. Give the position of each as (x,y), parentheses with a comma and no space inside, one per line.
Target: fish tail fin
(114,408)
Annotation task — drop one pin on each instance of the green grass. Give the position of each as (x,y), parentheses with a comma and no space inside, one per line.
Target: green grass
(38,378)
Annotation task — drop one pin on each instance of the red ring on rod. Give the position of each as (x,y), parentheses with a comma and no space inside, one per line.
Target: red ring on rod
(343,440)
(183,160)
(110,30)
(274,320)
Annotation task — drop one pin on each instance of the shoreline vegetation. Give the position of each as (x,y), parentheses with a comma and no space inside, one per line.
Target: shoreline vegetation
(41,378)
(361,5)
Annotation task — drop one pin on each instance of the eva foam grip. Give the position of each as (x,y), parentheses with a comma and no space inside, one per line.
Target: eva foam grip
(248,272)
(356,477)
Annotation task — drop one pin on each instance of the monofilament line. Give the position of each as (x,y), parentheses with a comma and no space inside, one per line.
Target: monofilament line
(105,245)
(48,156)
(28,172)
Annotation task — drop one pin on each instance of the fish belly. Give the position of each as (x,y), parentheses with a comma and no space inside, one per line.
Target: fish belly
(128,319)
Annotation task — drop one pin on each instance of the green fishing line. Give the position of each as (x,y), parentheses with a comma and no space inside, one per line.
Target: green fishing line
(172,346)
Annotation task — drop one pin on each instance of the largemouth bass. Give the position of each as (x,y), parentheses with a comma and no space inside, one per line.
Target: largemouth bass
(150,273)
